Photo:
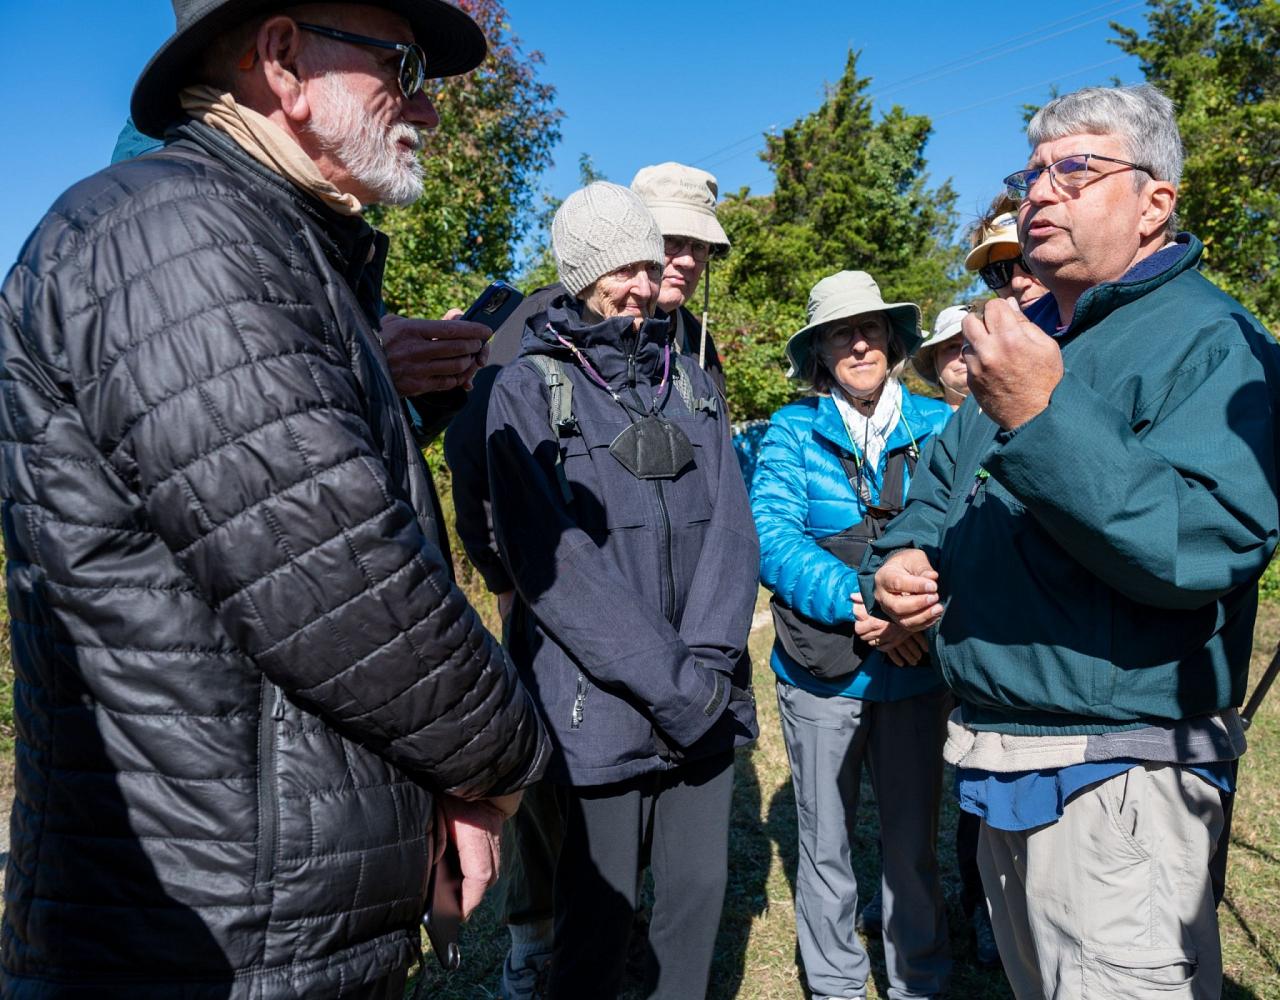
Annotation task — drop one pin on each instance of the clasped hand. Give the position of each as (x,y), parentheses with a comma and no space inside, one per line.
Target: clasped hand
(1014,366)
(902,647)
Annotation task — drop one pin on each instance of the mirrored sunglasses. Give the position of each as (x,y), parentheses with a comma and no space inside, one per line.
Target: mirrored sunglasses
(999,273)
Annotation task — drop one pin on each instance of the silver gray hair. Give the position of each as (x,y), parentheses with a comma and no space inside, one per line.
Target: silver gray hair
(1141,116)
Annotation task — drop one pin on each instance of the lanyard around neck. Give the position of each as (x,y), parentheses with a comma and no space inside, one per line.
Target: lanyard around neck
(599,379)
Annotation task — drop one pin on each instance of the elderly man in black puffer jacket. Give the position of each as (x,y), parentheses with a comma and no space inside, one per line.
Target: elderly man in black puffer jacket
(244,674)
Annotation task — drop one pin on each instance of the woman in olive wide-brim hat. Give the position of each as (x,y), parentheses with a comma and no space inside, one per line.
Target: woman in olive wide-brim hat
(833,468)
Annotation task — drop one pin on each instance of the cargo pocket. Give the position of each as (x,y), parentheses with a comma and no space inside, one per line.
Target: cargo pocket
(1135,973)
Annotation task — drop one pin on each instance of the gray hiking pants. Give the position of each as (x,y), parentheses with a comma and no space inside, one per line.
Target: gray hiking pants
(827,740)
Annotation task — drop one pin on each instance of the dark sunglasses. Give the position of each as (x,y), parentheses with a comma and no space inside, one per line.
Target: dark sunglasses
(413,61)
(999,273)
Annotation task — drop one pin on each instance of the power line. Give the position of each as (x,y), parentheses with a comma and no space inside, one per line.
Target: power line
(1030,86)
(931,76)
(966,62)
(1001,48)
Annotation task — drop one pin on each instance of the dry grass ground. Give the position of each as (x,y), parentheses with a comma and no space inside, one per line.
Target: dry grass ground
(755,954)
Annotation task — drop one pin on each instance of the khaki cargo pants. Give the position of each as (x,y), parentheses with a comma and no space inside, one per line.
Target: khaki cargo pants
(1114,900)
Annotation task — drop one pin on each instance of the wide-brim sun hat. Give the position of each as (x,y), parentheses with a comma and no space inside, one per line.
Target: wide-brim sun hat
(451,41)
(683,200)
(844,295)
(1000,231)
(947,325)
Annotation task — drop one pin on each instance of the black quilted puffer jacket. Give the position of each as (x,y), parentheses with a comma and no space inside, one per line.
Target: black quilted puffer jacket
(242,665)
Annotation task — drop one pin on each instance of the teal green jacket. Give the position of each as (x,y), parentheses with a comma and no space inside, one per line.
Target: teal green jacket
(1099,564)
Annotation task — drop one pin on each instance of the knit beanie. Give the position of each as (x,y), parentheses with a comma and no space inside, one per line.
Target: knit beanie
(599,228)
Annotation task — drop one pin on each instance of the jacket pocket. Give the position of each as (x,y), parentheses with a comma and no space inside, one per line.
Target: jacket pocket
(270,712)
(605,496)
(1113,974)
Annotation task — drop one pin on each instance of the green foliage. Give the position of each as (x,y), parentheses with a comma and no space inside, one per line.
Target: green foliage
(1220,63)
(849,193)
(1269,585)
(498,127)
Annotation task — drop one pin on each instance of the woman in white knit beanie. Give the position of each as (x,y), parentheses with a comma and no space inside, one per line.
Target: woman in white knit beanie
(623,521)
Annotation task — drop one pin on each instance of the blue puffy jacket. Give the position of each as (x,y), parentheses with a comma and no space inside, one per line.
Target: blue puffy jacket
(800,493)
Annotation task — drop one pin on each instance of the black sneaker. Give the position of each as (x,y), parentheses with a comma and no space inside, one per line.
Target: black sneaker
(985,951)
(871,917)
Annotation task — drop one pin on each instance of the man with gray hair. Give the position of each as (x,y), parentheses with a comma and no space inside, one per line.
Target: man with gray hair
(253,704)
(1084,545)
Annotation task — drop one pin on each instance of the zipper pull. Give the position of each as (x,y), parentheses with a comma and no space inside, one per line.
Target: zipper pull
(277,711)
(978,480)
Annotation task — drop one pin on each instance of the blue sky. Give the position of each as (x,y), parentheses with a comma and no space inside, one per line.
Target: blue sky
(697,82)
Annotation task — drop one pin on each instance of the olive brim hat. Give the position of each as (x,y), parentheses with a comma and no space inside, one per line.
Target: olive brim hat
(841,296)
(948,324)
(452,42)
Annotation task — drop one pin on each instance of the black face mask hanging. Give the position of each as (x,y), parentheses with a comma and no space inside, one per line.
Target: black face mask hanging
(652,448)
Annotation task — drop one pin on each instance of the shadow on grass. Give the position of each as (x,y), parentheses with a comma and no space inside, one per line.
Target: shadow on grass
(747,894)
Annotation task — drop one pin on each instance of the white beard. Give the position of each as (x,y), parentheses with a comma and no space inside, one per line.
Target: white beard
(369,152)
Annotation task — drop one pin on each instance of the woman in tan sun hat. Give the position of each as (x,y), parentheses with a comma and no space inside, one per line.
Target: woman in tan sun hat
(996,254)
(833,468)
(938,360)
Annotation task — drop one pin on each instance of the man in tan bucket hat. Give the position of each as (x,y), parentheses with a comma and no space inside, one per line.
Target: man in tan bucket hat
(683,201)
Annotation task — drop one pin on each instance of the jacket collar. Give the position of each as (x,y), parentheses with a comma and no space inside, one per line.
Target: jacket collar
(355,249)
(828,424)
(611,346)
(1103,299)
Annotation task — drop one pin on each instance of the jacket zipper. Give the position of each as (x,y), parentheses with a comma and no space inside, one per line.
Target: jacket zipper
(579,703)
(668,577)
(271,712)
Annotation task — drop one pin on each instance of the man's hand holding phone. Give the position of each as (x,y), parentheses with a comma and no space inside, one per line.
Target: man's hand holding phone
(434,355)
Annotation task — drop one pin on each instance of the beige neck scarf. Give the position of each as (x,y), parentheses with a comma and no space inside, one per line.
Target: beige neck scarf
(266,142)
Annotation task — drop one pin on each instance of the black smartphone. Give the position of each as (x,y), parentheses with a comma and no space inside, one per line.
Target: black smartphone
(495,304)
(443,919)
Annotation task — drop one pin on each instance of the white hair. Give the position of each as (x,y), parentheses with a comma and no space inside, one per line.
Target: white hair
(1141,116)
(368,150)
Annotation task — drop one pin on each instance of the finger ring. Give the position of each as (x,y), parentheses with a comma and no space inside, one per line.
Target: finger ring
(873,642)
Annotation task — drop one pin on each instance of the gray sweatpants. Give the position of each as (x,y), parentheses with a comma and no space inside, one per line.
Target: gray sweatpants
(1114,900)
(827,739)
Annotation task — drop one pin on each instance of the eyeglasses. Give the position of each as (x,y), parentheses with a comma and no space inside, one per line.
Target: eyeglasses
(999,273)
(678,246)
(840,333)
(1070,173)
(412,75)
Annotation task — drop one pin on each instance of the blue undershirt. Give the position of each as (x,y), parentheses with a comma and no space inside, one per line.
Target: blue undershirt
(1022,800)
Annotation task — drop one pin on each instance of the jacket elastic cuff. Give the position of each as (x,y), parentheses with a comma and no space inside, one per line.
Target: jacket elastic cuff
(701,714)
